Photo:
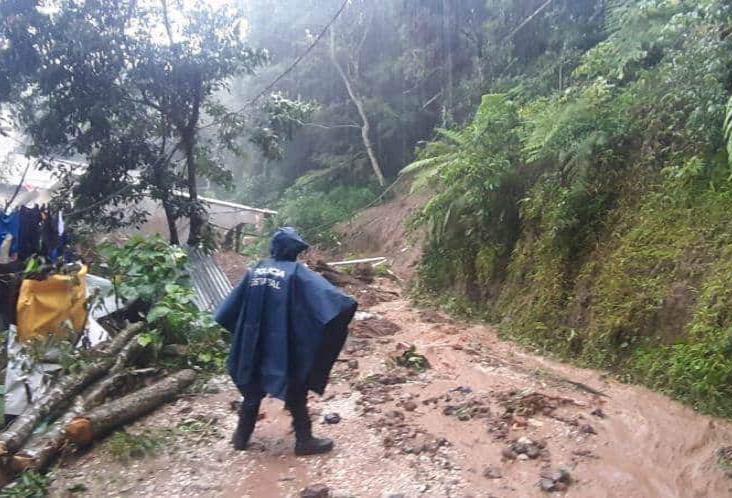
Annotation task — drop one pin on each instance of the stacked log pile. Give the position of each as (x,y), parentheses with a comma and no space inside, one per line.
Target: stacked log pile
(82,407)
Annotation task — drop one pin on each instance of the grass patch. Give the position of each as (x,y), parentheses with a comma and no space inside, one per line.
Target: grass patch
(30,484)
(125,447)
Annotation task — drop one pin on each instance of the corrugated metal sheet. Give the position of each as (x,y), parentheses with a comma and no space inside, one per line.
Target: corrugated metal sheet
(209,281)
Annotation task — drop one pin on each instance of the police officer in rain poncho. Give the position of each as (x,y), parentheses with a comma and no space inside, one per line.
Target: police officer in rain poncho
(288,326)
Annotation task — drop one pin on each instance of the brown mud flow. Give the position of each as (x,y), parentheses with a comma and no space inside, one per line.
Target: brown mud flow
(485,419)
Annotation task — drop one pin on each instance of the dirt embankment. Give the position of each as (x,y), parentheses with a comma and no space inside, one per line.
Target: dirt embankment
(382,231)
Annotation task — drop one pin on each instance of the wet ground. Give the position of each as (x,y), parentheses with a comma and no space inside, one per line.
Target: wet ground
(485,419)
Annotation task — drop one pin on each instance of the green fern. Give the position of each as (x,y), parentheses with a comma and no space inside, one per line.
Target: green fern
(468,167)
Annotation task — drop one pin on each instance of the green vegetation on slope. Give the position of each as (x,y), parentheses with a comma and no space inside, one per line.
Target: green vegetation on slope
(592,220)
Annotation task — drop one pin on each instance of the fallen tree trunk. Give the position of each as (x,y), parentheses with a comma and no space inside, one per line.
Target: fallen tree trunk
(41,449)
(64,390)
(84,429)
(332,275)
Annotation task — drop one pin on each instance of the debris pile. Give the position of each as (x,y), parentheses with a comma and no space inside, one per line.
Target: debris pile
(461,403)
(358,283)
(525,448)
(84,406)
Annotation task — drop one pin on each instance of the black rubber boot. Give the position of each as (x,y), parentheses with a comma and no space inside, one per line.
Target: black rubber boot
(245,427)
(305,443)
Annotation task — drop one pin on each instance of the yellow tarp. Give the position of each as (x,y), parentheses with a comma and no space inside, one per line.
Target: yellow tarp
(46,307)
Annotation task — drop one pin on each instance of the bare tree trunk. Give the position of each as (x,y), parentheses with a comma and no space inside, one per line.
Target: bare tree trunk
(85,429)
(447,43)
(188,136)
(60,394)
(172,227)
(41,449)
(196,218)
(365,126)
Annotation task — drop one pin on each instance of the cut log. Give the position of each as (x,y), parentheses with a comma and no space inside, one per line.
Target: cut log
(41,449)
(84,429)
(62,392)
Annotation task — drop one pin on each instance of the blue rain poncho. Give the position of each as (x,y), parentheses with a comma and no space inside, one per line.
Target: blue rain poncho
(288,323)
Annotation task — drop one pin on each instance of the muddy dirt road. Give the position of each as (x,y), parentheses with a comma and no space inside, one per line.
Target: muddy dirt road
(485,420)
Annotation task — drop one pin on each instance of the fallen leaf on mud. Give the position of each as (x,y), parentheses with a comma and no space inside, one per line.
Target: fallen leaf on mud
(412,360)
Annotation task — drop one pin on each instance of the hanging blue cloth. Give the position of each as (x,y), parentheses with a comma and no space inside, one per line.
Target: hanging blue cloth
(10,224)
(288,323)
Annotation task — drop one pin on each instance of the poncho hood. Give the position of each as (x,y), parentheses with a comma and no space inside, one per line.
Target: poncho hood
(287,244)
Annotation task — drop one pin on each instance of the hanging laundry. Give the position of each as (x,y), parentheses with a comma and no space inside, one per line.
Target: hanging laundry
(63,238)
(50,240)
(10,224)
(5,245)
(30,232)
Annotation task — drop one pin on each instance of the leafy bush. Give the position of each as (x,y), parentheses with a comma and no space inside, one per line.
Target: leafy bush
(153,271)
(144,266)
(475,172)
(177,320)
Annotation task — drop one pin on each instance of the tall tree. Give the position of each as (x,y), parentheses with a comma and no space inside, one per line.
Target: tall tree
(127,86)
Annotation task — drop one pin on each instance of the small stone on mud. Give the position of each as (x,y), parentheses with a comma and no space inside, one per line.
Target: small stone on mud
(587,429)
(508,454)
(533,451)
(316,491)
(353,364)
(523,456)
(555,480)
(597,412)
(396,414)
(409,406)
(546,485)
(584,453)
(492,473)
(332,418)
